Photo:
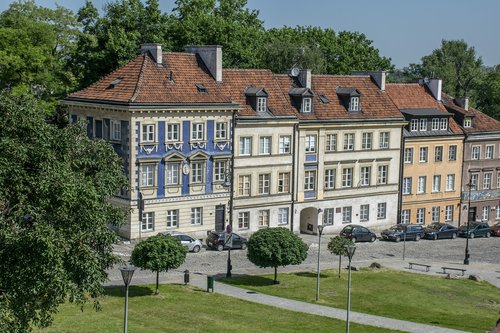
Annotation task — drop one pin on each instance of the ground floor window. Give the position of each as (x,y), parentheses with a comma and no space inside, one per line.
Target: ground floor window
(283,216)
(364,213)
(498,212)
(243,220)
(328,215)
(405,216)
(448,213)
(486,213)
(421,215)
(381,210)
(148,221)
(347,214)
(172,218)
(196,218)
(263,218)
(435,214)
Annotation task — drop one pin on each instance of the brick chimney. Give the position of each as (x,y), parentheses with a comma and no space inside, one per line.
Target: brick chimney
(211,56)
(155,50)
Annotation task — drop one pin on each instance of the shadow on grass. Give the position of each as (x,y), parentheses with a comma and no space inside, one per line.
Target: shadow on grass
(311,275)
(248,280)
(133,291)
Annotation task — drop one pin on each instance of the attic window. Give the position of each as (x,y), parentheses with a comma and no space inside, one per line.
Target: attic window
(354,104)
(306,105)
(467,122)
(261,104)
(324,99)
(257,98)
(201,88)
(115,82)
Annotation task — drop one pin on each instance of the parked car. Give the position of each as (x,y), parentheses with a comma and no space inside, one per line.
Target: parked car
(476,229)
(357,233)
(192,244)
(400,232)
(440,230)
(495,229)
(216,240)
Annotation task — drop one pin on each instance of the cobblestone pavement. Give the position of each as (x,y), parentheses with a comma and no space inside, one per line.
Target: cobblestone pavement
(484,258)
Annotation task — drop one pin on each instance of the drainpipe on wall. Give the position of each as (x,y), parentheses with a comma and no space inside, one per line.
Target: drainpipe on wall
(231,195)
(292,213)
(462,184)
(400,183)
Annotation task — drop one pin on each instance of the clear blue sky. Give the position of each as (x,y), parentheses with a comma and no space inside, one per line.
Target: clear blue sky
(404,30)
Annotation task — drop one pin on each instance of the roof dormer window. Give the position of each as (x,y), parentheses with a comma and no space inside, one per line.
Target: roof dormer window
(201,88)
(354,104)
(467,122)
(306,105)
(261,104)
(350,98)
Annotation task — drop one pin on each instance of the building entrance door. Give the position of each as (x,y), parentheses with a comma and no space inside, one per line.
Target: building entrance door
(472,214)
(220,217)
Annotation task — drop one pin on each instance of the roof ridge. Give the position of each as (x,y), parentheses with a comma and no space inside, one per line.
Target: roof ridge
(139,81)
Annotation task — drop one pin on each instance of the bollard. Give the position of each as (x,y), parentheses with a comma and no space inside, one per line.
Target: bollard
(210,283)
(186,277)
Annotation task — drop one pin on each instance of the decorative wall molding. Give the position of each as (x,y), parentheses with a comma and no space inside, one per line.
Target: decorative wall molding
(174,145)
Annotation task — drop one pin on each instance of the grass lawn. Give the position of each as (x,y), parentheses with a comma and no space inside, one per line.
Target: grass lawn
(186,309)
(459,304)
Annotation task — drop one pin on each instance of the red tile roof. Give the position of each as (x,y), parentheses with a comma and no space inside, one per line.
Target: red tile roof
(412,96)
(481,123)
(146,82)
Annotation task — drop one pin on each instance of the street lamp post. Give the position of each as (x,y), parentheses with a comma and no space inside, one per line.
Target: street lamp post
(229,228)
(467,254)
(351,248)
(320,231)
(127,273)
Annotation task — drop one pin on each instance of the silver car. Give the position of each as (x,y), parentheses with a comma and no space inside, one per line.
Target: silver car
(193,245)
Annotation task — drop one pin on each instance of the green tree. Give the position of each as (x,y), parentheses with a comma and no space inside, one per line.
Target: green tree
(159,253)
(337,245)
(321,50)
(456,64)
(273,247)
(54,214)
(219,22)
(35,46)
(488,93)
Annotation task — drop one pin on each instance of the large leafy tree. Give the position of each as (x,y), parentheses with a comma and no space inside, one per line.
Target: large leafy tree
(223,22)
(488,93)
(159,253)
(54,214)
(35,45)
(321,50)
(273,247)
(457,64)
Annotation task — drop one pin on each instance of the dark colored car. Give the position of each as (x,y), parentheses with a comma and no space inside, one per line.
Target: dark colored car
(495,229)
(357,233)
(217,240)
(400,232)
(476,229)
(440,230)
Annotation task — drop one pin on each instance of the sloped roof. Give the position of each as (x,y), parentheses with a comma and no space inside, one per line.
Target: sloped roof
(375,104)
(144,82)
(482,122)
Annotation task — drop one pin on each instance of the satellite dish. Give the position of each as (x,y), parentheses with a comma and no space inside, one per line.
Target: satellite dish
(295,72)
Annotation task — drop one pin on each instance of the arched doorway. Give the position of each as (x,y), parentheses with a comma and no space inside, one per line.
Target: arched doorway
(309,220)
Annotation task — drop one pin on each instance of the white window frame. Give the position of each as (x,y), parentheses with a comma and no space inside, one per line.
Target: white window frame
(467,122)
(264,184)
(423,155)
(197,172)
(173,132)
(148,174)
(384,140)
(381,211)
(348,141)
(354,104)
(421,185)
(450,182)
(365,176)
(421,215)
(364,213)
(283,182)
(283,216)
(331,142)
(436,183)
(414,125)
(306,105)
(148,221)
(443,124)
(172,218)
(309,180)
(367,140)
(197,131)
(173,177)
(261,104)
(487,178)
(347,177)
(489,152)
(448,213)
(220,170)
(265,145)
(347,214)
(284,144)
(435,212)
(407,182)
(406,216)
(438,153)
(310,143)
(475,153)
(148,133)
(474,181)
(263,218)
(435,124)
(116,130)
(452,153)
(408,155)
(498,183)
(220,130)
(197,216)
(422,125)
(245,145)
(244,185)
(383,174)
(329,216)
(498,213)
(330,175)
(243,220)
(485,216)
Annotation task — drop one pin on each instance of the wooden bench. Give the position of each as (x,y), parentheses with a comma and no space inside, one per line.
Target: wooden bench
(453,269)
(411,264)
